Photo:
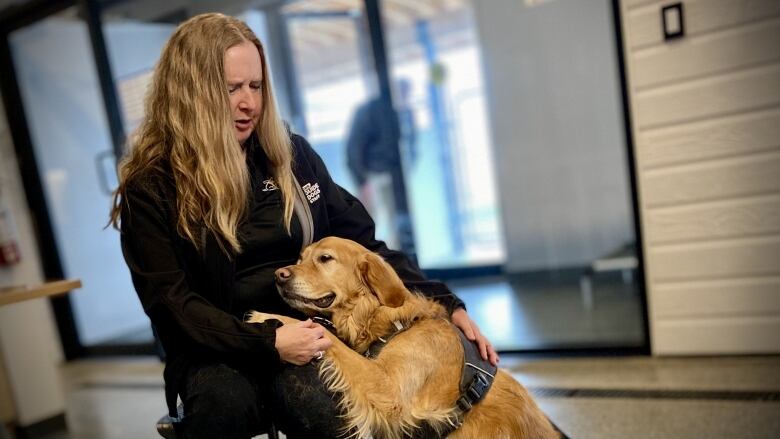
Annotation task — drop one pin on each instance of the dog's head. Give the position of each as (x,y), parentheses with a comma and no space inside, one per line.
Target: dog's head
(343,280)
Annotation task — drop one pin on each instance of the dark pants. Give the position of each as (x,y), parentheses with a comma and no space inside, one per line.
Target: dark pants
(230,402)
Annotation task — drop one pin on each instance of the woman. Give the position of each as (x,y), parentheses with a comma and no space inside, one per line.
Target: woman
(215,195)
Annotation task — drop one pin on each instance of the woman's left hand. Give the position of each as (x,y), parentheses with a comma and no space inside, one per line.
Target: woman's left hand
(461,319)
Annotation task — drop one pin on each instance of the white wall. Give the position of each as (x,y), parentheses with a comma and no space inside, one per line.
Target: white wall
(29,341)
(554,105)
(706,119)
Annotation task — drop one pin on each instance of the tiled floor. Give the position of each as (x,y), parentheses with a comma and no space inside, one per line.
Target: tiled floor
(645,397)
(619,397)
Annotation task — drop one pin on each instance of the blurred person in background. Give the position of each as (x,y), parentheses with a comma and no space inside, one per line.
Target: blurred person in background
(381,141)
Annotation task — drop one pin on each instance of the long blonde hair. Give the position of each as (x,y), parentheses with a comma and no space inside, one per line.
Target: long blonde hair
(188,126)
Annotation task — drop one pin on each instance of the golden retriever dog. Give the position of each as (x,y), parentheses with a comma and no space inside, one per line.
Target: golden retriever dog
(415,378)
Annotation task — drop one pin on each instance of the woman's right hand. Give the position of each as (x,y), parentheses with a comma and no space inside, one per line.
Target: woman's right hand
(301,342)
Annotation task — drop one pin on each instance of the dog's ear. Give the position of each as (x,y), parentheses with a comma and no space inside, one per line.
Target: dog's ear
(381,279)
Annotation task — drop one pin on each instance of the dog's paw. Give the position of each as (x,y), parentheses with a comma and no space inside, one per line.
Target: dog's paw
(257,317)
(260,317)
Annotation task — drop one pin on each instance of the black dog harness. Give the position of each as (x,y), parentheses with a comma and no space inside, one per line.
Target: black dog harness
(476,377)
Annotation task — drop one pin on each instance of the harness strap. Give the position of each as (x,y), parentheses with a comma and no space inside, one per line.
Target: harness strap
(476,379)
(377,346)
(303,212)
(477,375)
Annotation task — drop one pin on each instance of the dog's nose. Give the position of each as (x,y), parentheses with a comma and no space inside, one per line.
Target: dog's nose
(282,275)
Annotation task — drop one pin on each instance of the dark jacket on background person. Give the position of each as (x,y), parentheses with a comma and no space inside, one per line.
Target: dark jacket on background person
(372,143)
(190,295)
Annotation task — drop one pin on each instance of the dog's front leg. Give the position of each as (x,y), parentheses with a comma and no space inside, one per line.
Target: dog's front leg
(370,397)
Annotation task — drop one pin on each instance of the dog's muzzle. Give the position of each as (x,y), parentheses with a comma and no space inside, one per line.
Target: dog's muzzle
(321,302)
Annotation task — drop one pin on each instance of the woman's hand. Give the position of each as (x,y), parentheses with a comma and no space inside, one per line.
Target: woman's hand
(301,342)
(461,319)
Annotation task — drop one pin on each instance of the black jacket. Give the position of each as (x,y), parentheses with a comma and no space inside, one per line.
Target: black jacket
(373,141)
(187,293)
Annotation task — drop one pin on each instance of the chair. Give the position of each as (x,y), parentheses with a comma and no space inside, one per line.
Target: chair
(169,427)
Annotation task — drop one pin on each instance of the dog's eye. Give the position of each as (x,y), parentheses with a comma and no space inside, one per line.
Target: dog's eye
(325,258)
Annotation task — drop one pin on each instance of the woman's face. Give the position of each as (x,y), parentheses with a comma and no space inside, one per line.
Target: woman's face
(244,76)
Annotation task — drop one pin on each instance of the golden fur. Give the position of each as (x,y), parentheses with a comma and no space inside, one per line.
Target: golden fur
(416,376)
(188,127)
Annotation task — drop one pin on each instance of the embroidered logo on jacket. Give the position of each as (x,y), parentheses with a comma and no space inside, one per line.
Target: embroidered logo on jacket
(312,192)
(270,185)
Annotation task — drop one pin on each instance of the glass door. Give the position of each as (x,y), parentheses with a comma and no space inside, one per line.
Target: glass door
(67,121)
(440,144)
(332,73)
(414,166)
(344,118)
(73,146)
(435,65)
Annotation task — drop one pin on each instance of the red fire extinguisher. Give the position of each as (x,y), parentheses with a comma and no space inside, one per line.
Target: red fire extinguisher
(9,250)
